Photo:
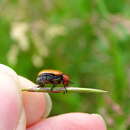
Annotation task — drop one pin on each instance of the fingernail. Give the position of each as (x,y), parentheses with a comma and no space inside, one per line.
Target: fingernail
(48,105)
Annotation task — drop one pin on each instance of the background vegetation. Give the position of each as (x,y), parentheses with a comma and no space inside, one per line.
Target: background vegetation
(87,39)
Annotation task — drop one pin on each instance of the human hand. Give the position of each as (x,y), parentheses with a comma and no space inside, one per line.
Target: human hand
(28,110)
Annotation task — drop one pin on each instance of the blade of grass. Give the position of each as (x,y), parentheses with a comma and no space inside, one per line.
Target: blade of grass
(61,90)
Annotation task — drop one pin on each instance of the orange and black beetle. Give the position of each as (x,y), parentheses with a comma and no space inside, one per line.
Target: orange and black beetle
(52,77)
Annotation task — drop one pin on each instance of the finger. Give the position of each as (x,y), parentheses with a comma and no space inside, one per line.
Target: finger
(37,105)
(10,100)
(72,121)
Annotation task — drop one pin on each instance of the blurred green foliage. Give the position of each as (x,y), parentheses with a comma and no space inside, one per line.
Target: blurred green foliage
(88,40)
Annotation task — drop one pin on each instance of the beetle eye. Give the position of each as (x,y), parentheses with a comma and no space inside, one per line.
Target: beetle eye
(39,79)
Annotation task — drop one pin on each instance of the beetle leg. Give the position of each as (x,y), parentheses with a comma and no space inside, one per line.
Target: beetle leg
(40,85)
(53,87)
(65,89)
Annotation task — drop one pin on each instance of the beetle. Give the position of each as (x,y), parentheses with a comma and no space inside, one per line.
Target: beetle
(53,77)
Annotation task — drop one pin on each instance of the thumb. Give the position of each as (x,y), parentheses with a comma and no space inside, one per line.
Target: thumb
(11,109)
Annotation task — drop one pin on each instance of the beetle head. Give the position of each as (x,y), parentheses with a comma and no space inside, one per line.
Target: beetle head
(65,79)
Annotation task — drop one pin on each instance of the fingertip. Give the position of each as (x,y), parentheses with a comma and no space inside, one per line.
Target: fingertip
(25,83)
(99,121)
(37,105)
(72,121)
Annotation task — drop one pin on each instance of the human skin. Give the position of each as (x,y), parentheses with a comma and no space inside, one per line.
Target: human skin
(29,110)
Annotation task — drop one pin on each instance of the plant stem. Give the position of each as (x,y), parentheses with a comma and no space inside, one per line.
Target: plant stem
(62,90)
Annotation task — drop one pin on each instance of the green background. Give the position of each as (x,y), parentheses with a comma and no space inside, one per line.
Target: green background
(87,39)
